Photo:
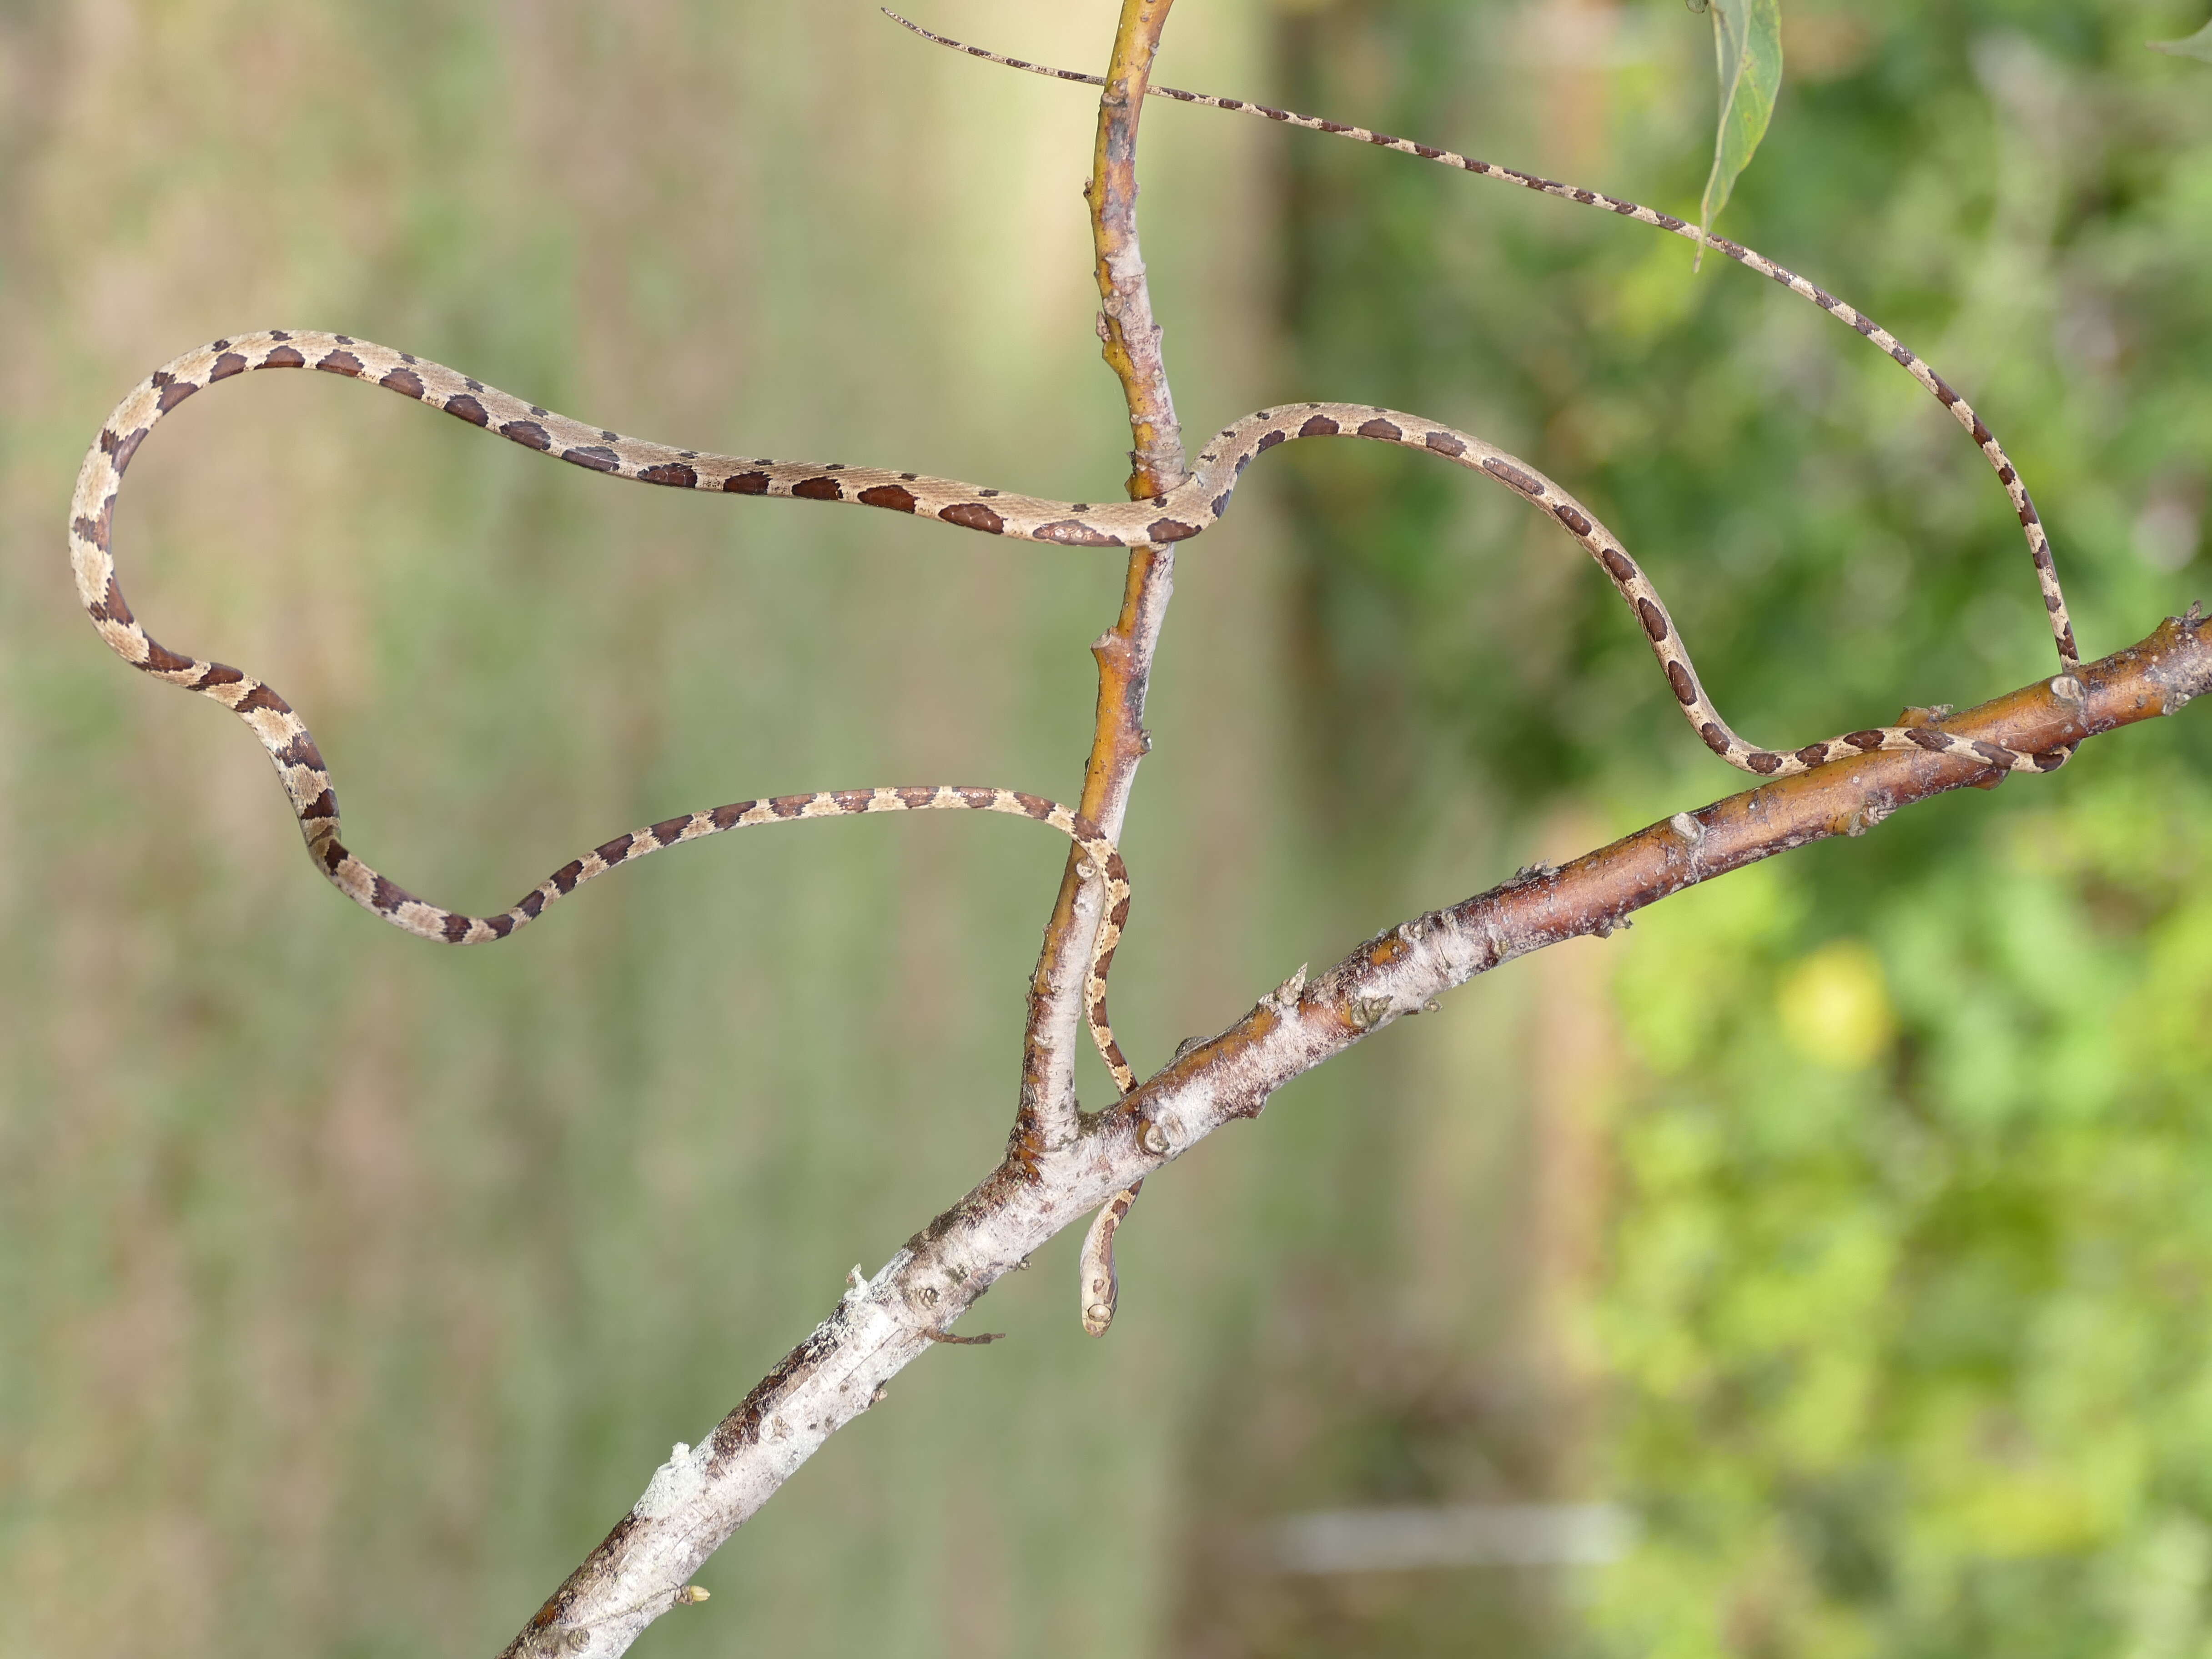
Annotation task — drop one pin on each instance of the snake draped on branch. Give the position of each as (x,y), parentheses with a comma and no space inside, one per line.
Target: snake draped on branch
(1186,510)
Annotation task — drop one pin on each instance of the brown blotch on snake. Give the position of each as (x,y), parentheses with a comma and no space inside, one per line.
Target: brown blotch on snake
(1070,532)
(973,515)
(1514,475)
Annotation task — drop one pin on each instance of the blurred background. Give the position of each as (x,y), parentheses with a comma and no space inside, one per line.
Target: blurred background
(1818,1269)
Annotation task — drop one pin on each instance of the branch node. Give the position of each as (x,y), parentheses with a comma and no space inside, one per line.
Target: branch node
(1367,1012)
(2069,690)
(1688,828)
(1879,804)
(1153,1138)
(692,1594)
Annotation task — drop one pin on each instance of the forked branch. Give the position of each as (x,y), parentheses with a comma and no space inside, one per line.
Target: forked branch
(702,1494)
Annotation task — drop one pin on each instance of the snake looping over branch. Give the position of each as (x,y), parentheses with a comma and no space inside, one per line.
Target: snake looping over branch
(1191,506)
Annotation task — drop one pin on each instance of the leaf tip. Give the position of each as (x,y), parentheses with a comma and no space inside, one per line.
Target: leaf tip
(2197,46)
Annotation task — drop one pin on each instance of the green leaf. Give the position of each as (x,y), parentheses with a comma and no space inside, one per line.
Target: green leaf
(1748,41)
(2199,45)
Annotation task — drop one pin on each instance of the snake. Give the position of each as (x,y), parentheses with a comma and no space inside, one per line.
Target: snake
(1099,1285)
(1185,510)
(299,765)
(2031,522)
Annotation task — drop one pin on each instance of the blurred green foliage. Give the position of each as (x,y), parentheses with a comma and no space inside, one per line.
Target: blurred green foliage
(1904,1305)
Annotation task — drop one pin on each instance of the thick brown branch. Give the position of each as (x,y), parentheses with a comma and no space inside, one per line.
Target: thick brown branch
(1398,972)
(701,1495)
(1047,1113)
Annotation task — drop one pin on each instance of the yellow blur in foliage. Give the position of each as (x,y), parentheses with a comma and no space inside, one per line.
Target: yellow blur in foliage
(1835,1007)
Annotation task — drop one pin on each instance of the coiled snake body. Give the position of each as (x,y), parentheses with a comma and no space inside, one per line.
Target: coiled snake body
(1186,510)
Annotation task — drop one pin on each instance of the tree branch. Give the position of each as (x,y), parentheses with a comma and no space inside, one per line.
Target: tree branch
(1047,1112)
(701,1495)
(1125,322)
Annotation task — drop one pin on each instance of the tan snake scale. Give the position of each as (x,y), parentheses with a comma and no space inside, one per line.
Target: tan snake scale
(1183,512)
